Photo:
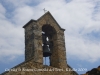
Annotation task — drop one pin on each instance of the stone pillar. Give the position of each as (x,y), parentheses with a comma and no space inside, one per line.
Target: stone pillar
(58,58)
(61,49)
(33,43)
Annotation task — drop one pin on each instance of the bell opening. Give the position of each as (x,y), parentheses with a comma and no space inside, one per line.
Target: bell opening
(47,45)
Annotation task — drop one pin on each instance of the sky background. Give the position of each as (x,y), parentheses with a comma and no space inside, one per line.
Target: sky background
(80,18)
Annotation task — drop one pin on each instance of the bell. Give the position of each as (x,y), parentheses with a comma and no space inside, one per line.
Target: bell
(46,51)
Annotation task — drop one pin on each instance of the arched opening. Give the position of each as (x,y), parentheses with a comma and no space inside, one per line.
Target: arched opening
(48,33)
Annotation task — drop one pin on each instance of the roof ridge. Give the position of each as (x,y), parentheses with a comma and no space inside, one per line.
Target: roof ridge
(52,17)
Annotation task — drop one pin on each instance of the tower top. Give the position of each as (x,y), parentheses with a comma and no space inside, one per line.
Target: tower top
(47,19)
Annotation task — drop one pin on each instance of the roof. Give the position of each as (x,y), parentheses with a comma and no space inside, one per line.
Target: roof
(29,22)
(47,13)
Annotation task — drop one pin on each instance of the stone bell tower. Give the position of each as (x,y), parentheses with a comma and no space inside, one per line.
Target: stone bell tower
(35,33)
(43,38)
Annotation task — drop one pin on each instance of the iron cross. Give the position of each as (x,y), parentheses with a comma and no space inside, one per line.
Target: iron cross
(44,10)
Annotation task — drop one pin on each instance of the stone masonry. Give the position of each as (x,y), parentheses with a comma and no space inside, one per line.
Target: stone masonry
(33,64)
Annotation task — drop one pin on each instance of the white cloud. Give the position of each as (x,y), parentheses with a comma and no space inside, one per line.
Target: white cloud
(23,15)
(2,9)
(2,12)
(76,16)
(11,38)
(17,3)
(82,49)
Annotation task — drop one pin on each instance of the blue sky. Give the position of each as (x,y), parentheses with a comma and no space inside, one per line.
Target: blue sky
(80,18)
